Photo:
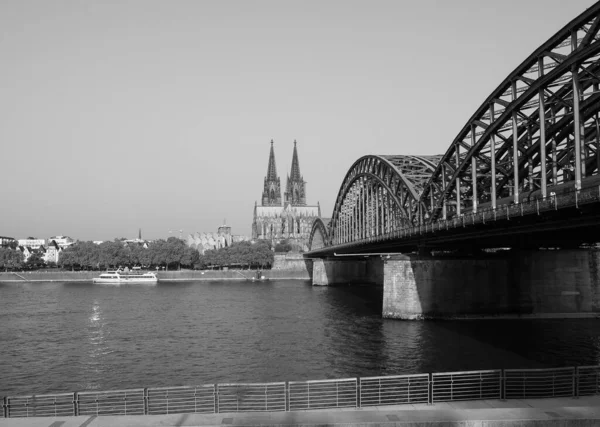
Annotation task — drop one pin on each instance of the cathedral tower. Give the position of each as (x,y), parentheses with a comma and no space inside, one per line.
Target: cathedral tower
(295,191)
(272,189)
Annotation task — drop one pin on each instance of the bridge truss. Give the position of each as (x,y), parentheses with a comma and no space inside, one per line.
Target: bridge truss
(536,135)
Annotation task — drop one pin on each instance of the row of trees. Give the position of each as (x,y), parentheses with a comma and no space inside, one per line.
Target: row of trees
(245,254)
(170,253)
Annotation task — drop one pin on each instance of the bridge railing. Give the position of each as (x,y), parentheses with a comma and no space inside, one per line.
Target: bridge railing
(315,394)
(553,202)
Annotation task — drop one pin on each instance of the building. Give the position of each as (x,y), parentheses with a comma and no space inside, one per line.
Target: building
(290,218)
(7,241)
(61,241)
(52,252)
(32,242)
(208,241)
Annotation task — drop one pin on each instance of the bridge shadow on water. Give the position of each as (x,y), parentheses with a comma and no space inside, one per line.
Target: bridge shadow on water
(365,344)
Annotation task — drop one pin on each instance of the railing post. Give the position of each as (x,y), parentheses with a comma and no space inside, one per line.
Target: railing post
(287,396)
(480,386)
(145,401)
(575,382)
(5,407)
(430,388)
(358,401)
(503,380)
(75,405)
(216,394)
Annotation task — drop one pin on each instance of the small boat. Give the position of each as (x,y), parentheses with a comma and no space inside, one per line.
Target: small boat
(118,277)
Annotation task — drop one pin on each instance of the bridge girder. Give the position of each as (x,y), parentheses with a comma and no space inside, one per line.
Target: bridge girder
(528,130)
(379,194)
(536,134)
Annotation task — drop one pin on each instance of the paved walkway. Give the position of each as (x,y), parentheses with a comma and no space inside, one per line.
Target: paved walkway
(581,412)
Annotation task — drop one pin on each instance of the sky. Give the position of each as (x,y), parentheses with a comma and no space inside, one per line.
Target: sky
(121,115)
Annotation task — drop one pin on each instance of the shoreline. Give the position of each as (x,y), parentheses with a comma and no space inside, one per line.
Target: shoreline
(163,276)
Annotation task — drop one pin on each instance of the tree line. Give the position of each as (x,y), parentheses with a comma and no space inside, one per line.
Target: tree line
(171,253)
(240,254)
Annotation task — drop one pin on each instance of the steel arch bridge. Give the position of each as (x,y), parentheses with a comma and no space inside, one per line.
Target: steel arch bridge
(536,136)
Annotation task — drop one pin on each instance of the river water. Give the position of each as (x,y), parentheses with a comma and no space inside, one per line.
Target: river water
(64,337)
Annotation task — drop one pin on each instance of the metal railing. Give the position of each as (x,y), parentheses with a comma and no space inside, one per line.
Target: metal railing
(394,390)
(532,383)
(118,402)
(178,400)
(323,394)
(251,397)
(552,202)
(42,405)
(588,380)
(316,394)
(470,385)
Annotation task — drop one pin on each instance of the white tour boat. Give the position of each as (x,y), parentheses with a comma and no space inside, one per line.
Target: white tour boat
(118,277)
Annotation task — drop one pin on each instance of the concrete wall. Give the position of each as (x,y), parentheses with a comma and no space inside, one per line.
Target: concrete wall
(519,284)
(338,271)
(292,262)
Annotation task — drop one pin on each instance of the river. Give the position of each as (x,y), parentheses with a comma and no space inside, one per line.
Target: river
(64,337)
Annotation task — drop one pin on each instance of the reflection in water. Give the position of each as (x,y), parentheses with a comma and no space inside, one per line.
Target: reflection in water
(75,336)
(97,348)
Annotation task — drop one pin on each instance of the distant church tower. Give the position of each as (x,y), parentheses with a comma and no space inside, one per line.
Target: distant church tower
(272,190)
(295,192)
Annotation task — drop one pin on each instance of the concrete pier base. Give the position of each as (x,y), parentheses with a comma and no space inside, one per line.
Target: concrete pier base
(540,283)
(340,271)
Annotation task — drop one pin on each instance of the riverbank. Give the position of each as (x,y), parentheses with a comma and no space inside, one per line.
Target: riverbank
(163,276)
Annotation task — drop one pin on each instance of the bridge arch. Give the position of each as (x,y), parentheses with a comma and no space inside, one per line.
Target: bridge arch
(538,132)
(319,234)
(378,195)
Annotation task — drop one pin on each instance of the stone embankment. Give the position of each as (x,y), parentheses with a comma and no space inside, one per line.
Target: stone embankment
(166,276)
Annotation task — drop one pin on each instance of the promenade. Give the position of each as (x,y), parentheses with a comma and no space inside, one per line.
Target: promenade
(580,412)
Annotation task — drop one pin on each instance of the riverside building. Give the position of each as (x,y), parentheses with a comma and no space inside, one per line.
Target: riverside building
(290,218)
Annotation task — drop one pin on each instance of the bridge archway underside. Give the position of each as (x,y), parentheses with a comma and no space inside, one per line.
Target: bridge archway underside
(535,140)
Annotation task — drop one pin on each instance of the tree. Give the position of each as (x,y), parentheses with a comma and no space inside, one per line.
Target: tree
(10,258)
(257,254)
(190,257)
(283,246)
(35,260)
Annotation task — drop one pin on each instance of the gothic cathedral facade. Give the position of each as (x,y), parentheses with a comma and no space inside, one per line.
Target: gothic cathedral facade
(288,219)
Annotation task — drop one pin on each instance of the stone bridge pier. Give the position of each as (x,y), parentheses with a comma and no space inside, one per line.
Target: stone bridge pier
(511,284)
(347,271)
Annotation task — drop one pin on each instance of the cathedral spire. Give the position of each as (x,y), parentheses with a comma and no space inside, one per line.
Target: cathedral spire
(295,193)
(272,189)
(295,174)
(272,169)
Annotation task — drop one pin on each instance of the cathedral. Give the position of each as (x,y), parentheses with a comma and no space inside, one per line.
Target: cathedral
(288,219)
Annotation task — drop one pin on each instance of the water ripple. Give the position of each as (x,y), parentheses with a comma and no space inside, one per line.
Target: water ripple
(60,337)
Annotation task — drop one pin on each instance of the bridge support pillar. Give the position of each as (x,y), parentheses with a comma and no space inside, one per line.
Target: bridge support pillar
(515,284)
(336,271)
